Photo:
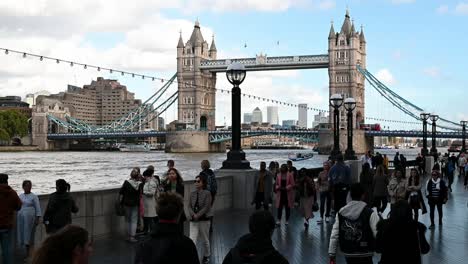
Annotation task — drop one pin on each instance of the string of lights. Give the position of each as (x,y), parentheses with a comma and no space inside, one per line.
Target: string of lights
(155,78)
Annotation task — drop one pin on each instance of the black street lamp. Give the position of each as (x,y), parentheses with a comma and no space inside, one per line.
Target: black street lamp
(424,117)
(336,101)
(350,105)
(434,118)
(236,157)
(463,123)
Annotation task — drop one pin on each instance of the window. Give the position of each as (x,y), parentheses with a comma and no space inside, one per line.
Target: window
(342,54)
(342,42)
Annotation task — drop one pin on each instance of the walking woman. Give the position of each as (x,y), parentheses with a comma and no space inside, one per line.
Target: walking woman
(400,239)
(284,189)
(28,218)
(199,213)
(397,187)
(413,191)
(365,179)
(325,194)
(307,195)
(130,198)
(263,187)
(150,192)
(175,184)
(379,189)
(436,196)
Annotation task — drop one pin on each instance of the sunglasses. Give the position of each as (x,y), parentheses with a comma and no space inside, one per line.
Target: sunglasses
(197,181)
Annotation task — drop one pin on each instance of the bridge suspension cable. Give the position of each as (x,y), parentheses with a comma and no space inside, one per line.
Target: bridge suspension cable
(401,103)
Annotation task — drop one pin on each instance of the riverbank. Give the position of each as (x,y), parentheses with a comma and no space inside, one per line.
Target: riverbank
(18,148)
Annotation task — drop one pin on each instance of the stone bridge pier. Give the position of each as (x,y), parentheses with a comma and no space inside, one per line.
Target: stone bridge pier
(41,126)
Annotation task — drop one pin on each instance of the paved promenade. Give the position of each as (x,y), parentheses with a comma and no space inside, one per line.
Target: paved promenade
(449,243)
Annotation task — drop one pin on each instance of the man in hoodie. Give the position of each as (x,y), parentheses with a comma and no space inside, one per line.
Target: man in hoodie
(59,208)
(257,247)
(355,229)
(10,203)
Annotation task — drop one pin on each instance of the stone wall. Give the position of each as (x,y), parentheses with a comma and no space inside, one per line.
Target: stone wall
(191,142)
(361,143)
(97,211)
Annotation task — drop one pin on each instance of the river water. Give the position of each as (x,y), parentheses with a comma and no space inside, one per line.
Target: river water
(95,170)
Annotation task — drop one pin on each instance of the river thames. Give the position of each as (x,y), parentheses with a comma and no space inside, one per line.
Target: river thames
(95,170)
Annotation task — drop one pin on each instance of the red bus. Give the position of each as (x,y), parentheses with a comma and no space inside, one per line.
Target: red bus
(372,127)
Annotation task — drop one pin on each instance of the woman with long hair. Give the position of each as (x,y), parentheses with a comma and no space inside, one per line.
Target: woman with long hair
(414,194)
(365,179)
(175,184)
(70,245)
(284,189)
(130,198)
(323,183)
(400,239)
(27,218)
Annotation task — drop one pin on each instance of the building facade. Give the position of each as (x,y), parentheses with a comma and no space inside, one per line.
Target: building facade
(257,116)
(272,115)
(15,103)
(197,88)
(247,118)
(346,49)
(101,103)
(321,118)
(302,115)
(31,98)
(288,124)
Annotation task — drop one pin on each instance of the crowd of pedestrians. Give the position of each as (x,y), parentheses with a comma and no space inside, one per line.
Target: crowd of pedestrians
(155,212)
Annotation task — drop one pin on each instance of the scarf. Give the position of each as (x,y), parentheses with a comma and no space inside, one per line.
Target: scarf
(437,183)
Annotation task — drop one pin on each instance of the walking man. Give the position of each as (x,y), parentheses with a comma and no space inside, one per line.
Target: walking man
(340,180)
(355,230)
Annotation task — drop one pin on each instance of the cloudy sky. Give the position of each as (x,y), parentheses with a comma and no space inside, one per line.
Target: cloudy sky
(416,47)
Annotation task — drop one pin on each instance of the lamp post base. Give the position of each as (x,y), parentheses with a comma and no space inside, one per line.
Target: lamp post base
(350,155)
(424,151)
(334,154)
(236,160)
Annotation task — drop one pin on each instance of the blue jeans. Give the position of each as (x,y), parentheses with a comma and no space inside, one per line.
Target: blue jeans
(6,245)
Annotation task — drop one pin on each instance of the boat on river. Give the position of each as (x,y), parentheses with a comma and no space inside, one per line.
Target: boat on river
(300,156)
(134,147)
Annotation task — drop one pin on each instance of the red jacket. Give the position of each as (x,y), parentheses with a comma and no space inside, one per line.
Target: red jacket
(10,203)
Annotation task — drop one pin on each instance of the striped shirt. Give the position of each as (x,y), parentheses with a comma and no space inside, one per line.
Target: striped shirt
(434,191)
(204,203)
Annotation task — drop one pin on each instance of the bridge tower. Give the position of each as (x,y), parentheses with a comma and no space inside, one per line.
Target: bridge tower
(346,49)
(197,92)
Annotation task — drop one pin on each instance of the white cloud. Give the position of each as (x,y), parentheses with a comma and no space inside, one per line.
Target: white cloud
(443,9)
(397,2)
(432,72)
(326,4)
(385,76)
(462,8)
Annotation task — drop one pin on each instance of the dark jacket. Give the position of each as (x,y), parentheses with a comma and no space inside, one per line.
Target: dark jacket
(10,203)
(167,245)
(211,183)
(179,187)
(399,244)
(250,246)
(131,196)
(443,194)
(58,212)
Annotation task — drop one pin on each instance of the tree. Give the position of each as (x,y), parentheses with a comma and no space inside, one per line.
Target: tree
(12,124)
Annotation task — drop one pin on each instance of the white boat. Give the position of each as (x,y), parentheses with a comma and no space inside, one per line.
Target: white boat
(134,147)
(300,156)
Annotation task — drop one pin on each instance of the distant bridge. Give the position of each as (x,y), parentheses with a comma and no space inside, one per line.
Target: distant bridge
(222,136)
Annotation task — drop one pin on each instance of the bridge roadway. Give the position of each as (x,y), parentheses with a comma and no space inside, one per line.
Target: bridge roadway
(220,136)
(448,243)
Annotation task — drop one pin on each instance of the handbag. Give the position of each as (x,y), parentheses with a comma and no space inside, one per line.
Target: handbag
(119,208)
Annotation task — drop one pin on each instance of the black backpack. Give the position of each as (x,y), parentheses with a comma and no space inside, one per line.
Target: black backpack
(355,236)
(237,258)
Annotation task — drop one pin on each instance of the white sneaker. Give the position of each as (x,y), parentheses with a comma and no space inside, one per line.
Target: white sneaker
(320,221)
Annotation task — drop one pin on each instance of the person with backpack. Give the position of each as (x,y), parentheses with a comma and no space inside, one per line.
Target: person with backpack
(256,247)
(355,229)
(437,196)
(166,244)
(400,239)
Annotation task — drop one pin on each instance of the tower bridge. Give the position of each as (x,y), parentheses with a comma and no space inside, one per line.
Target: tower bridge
(197,68)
